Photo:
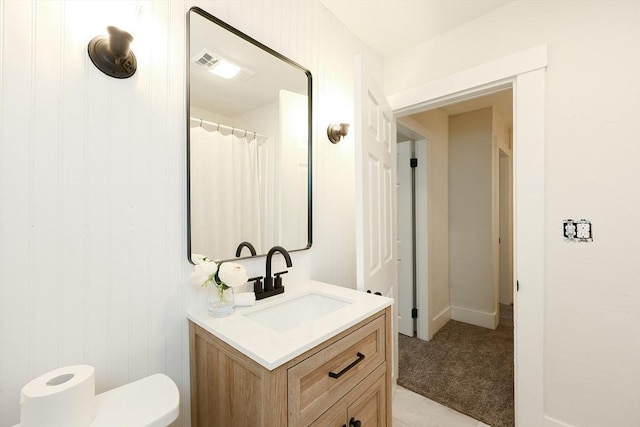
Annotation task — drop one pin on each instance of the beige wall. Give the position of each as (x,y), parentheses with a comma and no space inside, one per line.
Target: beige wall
(470,216)
(592,297)
(435,126)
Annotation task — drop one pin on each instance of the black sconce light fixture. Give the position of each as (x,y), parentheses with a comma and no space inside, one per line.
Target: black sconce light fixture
(111,54)
(336,132)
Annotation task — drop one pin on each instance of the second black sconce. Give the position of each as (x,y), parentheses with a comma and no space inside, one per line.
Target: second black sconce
(111,54)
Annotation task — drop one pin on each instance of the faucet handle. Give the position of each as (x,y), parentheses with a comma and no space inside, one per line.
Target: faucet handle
(257,284)
(277,281)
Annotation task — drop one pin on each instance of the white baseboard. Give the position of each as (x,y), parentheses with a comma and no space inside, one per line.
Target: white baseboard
(551,422)
(439,321)
(475,317)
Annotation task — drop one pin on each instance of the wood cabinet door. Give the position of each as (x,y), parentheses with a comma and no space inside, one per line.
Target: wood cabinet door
(366,402)
(334,417)
(370,408)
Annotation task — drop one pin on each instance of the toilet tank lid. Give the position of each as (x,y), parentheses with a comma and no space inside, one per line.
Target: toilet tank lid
(149,402)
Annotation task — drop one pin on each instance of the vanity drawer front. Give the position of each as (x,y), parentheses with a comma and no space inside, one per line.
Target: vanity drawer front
(311,388)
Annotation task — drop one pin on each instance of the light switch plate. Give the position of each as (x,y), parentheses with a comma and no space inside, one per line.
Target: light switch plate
(577,231)
(569,229)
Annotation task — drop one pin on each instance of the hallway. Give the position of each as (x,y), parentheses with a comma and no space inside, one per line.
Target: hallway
(465,367)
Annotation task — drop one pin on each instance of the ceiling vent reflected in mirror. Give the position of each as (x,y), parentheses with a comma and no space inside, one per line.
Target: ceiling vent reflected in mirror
(205,60)
(219,66)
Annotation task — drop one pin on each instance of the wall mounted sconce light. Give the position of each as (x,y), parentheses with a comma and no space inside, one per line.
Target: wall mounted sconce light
(336,132)
(111,54)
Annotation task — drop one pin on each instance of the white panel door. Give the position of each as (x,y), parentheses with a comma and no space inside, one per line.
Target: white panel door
(375,188)
(405,240)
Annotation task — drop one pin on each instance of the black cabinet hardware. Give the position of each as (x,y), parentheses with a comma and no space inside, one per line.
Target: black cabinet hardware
(354,363)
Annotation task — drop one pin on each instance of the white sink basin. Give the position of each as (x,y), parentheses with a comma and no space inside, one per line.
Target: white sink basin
(289,314)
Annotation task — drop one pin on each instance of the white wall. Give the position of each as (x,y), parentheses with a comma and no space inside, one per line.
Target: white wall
(470,217)
(93,264)
(592,155)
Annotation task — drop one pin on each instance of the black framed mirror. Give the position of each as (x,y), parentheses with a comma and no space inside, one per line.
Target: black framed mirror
(248,144)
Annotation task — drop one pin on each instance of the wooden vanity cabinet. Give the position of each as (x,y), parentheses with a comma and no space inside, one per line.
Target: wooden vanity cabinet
(230,389)
(367,404)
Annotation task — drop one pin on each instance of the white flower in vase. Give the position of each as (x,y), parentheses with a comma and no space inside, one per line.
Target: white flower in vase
(224,275)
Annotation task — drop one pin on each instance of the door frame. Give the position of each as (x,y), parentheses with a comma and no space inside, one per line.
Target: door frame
(524,72)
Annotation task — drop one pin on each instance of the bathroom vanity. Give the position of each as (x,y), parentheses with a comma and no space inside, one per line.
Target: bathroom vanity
(316,354)
(259,367)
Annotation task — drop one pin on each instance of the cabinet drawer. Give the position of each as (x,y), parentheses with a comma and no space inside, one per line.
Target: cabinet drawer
(312,390)
(366,402)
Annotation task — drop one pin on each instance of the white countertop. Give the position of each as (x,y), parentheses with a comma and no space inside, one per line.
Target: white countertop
(271,348)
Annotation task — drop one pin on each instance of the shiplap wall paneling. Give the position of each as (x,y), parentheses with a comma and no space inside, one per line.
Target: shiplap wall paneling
(93,265)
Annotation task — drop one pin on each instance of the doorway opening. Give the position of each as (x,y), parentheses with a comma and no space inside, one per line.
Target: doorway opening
(463,204)
(525,73)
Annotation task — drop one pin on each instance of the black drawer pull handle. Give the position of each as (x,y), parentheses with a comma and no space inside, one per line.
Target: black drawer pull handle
(354,363)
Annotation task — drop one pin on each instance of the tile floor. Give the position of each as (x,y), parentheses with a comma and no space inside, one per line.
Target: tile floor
(412,410)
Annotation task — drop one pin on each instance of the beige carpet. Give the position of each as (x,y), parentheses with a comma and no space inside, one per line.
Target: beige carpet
(465,367)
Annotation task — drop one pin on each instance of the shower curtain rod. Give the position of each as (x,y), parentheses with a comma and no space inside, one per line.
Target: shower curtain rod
(219,126)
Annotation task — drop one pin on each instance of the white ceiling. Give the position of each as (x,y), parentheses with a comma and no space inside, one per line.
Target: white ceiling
(386,25)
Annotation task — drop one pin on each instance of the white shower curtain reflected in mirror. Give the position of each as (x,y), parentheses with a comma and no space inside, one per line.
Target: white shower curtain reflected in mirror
(222,216)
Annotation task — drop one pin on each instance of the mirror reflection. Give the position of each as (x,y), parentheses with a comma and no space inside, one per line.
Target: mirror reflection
(248,144)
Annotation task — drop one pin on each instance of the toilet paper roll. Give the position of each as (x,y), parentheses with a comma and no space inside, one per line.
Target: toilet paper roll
(244,299)
(62,397)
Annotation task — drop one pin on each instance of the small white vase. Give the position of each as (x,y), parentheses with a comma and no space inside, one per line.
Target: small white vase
(220,302)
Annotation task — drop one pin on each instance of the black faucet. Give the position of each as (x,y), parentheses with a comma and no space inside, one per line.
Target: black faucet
(273,286)
(245,245)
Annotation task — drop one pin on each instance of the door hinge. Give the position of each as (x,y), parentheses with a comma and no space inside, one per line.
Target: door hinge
(517,286)
(414,313)
(413,163)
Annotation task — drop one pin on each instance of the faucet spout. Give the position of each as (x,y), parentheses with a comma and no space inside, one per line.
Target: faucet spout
(268,280)
(247,245)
